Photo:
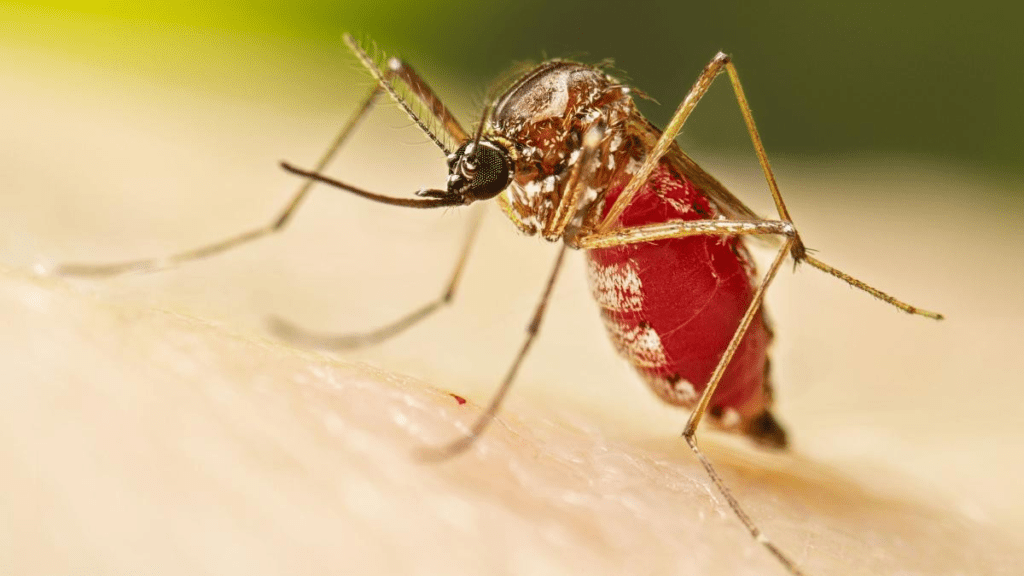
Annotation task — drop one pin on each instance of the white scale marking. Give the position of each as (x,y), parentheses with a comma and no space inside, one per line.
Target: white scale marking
(682,393)
(616,287)
(641,345)
(730,418)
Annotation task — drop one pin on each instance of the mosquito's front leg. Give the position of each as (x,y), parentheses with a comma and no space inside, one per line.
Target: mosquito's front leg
(396,70)
(275,225)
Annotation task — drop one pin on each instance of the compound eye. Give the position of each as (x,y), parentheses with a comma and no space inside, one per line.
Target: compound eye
(482,171)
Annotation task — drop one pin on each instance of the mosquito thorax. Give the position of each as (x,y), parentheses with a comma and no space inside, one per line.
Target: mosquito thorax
(480,170)
(546,114)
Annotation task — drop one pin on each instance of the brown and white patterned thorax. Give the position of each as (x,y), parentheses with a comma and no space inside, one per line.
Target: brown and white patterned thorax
(545,115)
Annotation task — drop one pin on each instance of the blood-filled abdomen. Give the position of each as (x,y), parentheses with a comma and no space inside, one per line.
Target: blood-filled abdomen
(671,307)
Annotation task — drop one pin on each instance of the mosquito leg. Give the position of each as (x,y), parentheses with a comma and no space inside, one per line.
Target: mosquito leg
(689,433)
(751,527)
(755,137)
(461,444)
(665,142)
(568,205)
(884,297)
(292,333)
(278,223)
(722,62)
(396,70)
(681,228)
(798,251)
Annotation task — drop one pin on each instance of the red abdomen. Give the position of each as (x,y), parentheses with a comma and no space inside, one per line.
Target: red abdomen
(671,306)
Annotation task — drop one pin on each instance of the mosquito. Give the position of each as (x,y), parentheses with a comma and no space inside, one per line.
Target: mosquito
(569,158)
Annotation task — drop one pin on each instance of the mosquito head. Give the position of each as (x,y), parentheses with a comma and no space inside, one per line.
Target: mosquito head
(480,170)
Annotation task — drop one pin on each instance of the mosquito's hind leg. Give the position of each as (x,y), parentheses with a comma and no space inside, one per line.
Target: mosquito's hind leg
(302,337)
(701,408)
(723,63)
(798,251)
(764,430)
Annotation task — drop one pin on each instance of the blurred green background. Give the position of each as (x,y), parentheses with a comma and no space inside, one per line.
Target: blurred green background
(937,82)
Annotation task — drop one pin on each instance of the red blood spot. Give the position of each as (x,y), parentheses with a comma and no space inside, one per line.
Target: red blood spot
(458,398)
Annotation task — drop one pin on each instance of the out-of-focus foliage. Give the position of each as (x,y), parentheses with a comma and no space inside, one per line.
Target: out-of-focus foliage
(939,79)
